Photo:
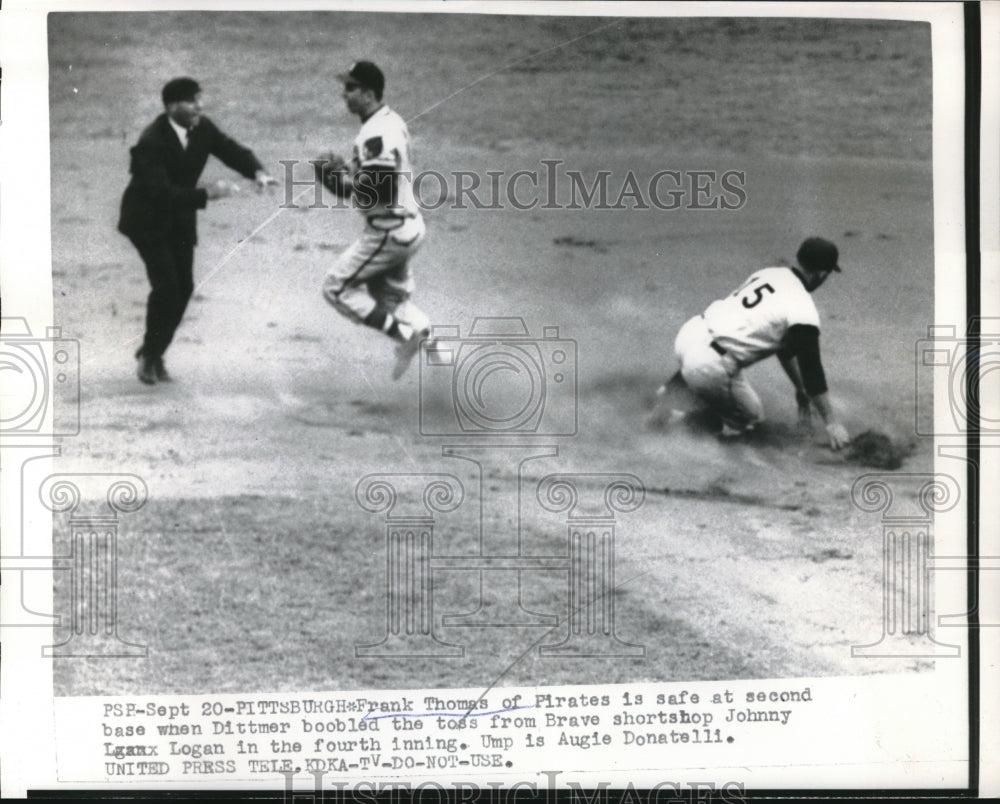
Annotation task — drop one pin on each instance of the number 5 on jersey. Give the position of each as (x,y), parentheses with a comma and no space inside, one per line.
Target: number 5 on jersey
(758,295)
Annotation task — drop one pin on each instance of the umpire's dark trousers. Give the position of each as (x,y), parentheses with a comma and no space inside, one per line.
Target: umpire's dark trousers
(169,266)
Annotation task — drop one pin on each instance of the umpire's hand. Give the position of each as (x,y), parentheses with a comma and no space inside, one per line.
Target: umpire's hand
(221,189)
(263,180)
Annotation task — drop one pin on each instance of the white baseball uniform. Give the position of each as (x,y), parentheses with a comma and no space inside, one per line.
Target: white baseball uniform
(746,326)
(374,271)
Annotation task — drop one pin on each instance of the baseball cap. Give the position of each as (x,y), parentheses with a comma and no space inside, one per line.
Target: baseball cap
(817,254)
(366,74)
(180,89)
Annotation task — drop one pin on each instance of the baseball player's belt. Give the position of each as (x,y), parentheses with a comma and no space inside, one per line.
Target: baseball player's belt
(388,222)
(713,343)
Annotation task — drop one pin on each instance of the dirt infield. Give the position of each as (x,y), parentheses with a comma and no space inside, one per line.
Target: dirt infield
(252,566)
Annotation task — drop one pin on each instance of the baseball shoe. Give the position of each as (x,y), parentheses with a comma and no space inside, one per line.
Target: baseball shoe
(406,351)
(730,433)
(147,371)
(676,417)
(431,348)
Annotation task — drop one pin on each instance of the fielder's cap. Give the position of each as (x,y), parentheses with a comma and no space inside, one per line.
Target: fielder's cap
(366,74)
(817,254)
(180,89)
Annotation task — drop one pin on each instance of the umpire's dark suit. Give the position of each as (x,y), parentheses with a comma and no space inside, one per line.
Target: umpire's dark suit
(158,214)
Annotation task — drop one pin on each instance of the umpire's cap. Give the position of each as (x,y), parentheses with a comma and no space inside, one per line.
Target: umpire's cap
(817,254)
(365,74)
(180,89)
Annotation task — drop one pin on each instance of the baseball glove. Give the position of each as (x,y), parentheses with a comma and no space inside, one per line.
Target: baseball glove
(333,173)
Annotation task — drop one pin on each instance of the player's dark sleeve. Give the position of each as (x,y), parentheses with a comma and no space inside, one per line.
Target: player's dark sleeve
(802,340)
(376,185)
(231,153)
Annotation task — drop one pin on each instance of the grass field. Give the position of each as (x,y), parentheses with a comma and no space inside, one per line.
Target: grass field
(252,567)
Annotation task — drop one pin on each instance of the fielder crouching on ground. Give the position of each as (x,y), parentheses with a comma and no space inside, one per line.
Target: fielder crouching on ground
(159,208)
(771,313)
(371,282)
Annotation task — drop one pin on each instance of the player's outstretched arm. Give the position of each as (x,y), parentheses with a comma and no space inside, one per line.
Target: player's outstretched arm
(791,368)
(804,344)
(834,429)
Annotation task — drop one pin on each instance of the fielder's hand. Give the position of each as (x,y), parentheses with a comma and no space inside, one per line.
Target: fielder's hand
(838,435)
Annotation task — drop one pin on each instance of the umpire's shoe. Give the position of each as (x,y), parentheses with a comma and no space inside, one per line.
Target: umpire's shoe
(147,371)
(162,375)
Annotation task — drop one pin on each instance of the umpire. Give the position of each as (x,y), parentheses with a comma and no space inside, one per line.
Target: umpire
(159,208)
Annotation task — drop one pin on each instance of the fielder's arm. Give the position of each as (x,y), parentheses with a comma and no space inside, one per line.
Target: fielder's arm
(804,367)
(791,367)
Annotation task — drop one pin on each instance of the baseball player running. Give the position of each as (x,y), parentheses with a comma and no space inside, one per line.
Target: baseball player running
(771,313)
(371,283)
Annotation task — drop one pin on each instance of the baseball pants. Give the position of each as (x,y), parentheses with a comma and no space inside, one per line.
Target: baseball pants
(716,378)
(375,272)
